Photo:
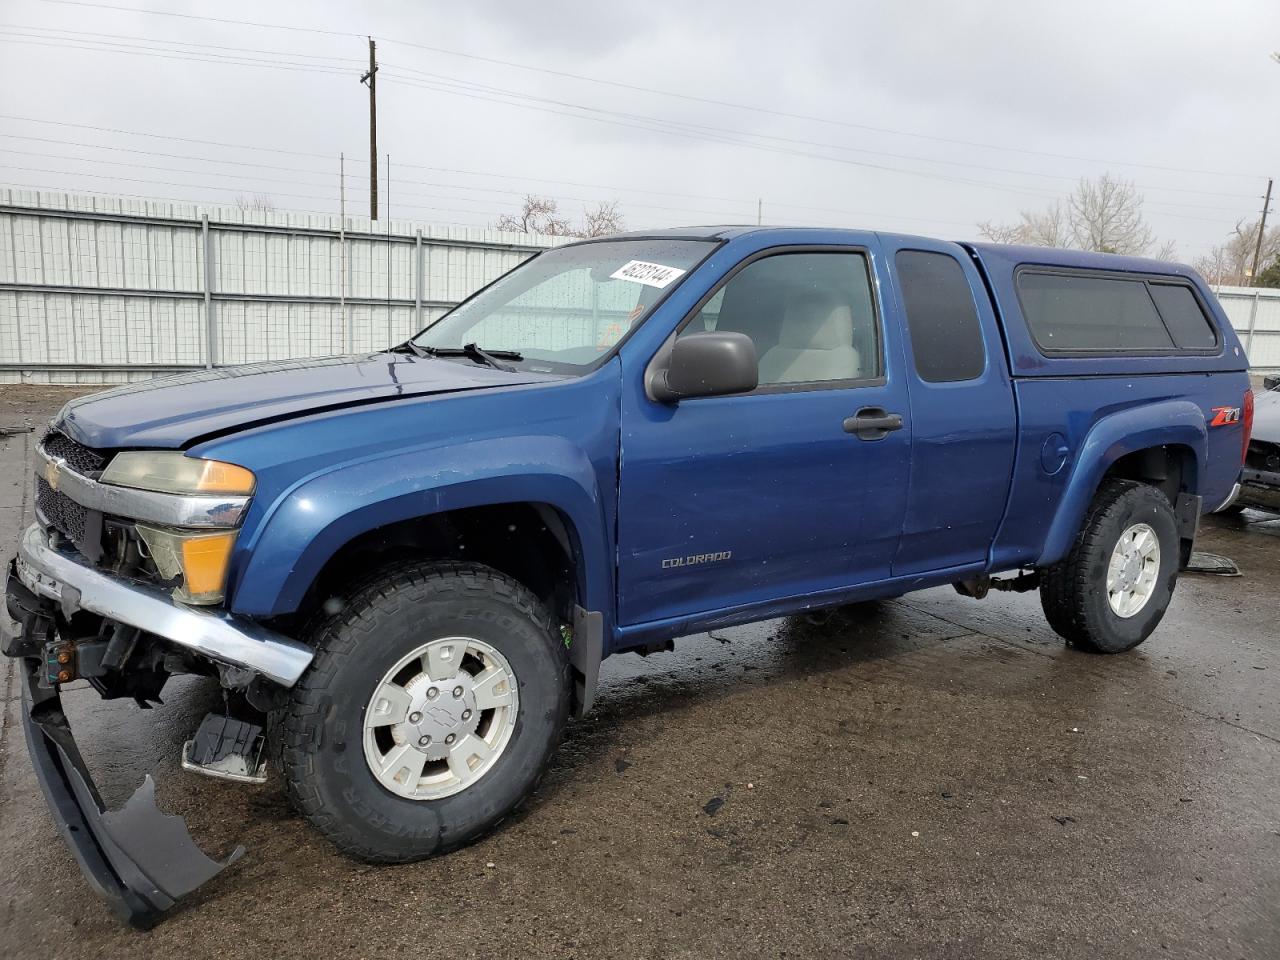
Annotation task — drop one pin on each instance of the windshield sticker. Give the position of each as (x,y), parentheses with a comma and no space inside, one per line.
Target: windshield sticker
(609,336)
(650,274)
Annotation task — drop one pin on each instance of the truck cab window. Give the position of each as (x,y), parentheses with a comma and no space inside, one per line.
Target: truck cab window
(810,316)
(946,340)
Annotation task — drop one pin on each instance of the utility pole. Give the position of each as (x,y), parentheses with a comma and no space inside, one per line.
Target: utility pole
(1262,229)
(370,80)
(759,209)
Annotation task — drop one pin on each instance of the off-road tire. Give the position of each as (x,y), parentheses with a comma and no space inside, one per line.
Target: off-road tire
(1073,592)
(321,730)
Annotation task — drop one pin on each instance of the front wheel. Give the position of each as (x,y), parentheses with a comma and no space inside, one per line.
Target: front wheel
(1110,592)
(431,710)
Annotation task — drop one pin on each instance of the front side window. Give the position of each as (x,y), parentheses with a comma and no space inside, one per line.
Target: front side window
(565,309)
(810,315)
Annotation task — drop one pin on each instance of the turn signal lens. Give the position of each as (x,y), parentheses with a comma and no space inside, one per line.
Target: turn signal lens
(169,471)
(200,559)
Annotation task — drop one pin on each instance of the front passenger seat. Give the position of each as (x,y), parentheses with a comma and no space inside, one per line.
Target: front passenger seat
(816,343)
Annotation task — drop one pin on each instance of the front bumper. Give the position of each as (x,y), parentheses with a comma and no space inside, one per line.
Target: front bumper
(68,579)
(139,860)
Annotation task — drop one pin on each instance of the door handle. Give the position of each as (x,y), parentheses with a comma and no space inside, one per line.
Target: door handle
(872,423)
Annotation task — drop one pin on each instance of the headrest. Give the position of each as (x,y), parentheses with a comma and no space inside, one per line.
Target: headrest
(816,322)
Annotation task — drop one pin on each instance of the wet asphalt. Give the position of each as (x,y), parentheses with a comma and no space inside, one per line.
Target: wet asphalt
(928,777)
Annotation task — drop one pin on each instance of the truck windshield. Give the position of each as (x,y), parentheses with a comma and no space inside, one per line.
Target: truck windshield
(563,310)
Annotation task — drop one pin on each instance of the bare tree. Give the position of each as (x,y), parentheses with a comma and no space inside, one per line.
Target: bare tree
(1105,214)
(1002,232)
(255,203)
(542,215)
(1047,228)
(1229,262)
(537,215)
(602,219)
(1168,251)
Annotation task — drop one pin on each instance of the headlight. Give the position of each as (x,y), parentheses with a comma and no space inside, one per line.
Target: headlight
(172,472)
(200,559)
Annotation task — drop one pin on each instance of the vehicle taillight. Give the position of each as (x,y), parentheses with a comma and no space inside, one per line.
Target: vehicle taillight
(1246,424)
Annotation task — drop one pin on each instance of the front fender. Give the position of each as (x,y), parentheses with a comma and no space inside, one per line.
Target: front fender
(1112,437)
(314,518)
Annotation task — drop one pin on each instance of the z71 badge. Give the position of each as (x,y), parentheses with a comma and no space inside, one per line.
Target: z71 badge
(1222,416)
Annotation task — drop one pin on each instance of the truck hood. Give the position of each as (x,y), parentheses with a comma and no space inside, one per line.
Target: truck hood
(173,412)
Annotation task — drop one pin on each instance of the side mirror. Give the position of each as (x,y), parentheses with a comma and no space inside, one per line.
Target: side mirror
(711,364)
(1271,383)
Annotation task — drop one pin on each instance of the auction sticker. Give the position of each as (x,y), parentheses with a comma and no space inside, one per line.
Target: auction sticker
(650,274)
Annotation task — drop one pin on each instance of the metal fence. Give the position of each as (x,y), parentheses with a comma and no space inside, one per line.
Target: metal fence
(1255,314)
(102,289)
(97,289)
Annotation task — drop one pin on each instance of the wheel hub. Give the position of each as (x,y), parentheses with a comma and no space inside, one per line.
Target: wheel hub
(445,712)
(1133,570)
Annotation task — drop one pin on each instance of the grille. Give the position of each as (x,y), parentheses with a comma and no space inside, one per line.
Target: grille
(79,457)
(64,514)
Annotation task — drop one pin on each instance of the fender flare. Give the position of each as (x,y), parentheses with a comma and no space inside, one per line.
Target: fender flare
(1169,422)
(305,526)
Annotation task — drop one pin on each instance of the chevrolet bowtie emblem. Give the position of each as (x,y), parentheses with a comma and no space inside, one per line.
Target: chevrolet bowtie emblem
(51,474)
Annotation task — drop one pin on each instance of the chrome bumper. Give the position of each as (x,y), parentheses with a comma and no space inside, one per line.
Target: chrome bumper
(66,578)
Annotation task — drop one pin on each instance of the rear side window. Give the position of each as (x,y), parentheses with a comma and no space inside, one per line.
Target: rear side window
(1088,313)
(946,340)
(1184,317)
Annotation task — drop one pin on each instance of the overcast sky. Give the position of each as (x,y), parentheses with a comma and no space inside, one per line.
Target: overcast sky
(926,117)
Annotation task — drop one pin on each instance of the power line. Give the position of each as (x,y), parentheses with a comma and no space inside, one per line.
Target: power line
(751,134)
(185,56)
(192,16)
(175,42)
(661,125)
(814,118)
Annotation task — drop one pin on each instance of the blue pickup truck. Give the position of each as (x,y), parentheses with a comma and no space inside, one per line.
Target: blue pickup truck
(405,568)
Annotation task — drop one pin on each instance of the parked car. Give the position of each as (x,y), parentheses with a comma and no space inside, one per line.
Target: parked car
(1259,485)
(406,567)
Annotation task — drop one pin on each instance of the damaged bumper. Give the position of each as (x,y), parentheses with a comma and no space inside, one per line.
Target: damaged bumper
(66,578)
(139,860)
(1260,488)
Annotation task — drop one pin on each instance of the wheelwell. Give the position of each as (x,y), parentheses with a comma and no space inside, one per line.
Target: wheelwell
(1170,468)
(532,543)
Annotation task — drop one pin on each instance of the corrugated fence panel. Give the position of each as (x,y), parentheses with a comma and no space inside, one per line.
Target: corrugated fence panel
(106,289)
(98,289)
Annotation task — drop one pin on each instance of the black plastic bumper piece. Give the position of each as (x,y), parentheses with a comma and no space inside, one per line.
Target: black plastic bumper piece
(138,859)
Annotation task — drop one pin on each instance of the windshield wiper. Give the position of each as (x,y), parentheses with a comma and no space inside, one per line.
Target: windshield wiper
(472,351)
(410,347)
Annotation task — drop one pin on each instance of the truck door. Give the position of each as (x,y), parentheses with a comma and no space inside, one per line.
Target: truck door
(797,487)
(962,409)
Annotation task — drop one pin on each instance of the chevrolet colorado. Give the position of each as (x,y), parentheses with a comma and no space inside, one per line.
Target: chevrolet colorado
(405,568)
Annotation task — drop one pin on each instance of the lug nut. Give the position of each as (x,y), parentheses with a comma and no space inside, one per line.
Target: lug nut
(466,714)
(415,717)
(457,691)
(450,738)
(432,693)
(424,741)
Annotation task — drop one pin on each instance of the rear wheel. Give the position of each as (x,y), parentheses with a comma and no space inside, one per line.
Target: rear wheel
(435,701)
(1110,592)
